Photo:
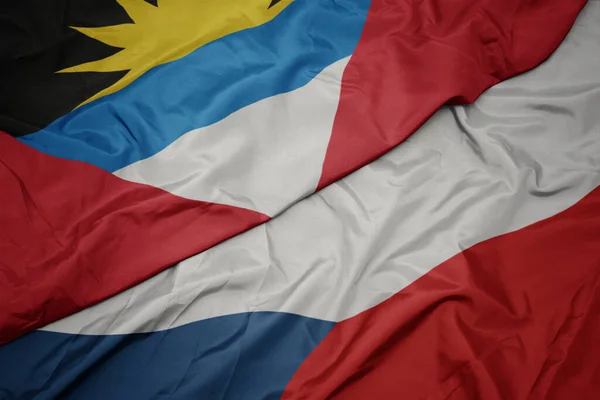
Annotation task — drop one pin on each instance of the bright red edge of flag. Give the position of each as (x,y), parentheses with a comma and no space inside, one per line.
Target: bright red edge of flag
(73,235)
(79,235)
(415,56)
(514,317)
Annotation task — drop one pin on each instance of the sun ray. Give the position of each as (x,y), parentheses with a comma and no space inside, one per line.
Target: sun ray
(120,36)
(170,31)
(111,63)
(138,10)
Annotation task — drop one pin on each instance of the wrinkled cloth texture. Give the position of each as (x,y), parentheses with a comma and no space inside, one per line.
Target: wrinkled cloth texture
(109,234)
(462,234)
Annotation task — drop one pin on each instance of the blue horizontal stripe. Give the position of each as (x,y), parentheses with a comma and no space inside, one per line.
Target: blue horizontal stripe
(206,85)
(241,356)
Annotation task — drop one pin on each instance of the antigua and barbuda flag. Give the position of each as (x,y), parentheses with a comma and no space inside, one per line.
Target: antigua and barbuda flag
(140,133)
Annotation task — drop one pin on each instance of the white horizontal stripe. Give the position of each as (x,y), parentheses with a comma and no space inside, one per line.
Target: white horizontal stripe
(528,149)
(262,157)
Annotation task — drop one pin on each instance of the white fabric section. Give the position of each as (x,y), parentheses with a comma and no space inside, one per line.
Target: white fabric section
(263,157)
(528,149)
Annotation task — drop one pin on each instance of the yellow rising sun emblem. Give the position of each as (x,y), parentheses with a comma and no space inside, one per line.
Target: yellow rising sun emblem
(170,31)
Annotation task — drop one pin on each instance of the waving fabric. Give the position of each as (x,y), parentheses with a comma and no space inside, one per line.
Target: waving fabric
(214,130)
(462,264)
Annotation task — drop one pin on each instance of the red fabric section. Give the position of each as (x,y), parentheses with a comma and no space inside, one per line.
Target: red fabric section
(78,235)
(573,369)
(415,56)
(514,317)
